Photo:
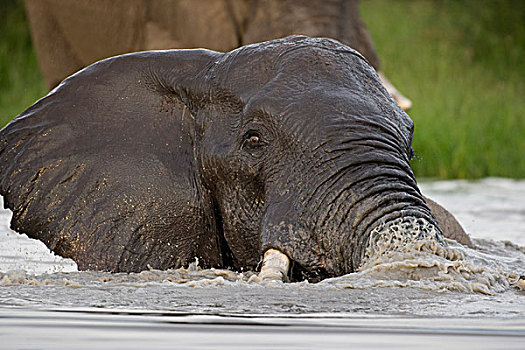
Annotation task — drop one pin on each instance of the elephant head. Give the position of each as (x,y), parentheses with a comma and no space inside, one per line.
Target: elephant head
(155,158)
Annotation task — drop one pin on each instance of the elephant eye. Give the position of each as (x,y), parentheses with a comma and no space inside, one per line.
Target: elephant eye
(253,139)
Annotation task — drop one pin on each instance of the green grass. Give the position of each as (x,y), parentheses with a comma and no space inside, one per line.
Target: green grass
(21,82)
(462,62)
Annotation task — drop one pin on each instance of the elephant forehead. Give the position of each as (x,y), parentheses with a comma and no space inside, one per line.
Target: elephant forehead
(323,108)
(316,100)
(294,61)
(301,80)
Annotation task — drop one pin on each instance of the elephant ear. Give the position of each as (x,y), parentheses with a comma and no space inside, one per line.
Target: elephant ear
(102,169)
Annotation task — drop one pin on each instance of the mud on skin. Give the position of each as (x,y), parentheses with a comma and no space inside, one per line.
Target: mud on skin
(152,159)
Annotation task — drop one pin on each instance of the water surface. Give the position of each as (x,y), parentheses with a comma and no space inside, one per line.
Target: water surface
(419,300)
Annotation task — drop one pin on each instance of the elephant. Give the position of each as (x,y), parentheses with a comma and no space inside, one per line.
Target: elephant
(153,159)
(71,35)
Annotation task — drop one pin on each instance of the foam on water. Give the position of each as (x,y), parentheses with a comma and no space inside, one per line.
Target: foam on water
(426,264)
(411,252)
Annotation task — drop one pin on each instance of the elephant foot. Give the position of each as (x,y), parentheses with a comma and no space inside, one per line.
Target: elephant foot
(401,100)
(275,266)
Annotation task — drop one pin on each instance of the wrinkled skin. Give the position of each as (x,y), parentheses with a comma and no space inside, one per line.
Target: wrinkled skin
(70,35)
(155,158)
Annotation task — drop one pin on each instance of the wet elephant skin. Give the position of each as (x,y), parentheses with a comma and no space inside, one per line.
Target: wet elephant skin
(156,158)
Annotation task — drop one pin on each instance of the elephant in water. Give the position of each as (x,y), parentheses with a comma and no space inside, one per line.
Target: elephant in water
(69,35)
(152,159)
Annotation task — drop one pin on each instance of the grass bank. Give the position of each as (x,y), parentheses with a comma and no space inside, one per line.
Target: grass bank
(462,64)
(21,82)
(460,61)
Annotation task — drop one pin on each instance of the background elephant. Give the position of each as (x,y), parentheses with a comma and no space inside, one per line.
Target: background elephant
(155,158)
(73,34)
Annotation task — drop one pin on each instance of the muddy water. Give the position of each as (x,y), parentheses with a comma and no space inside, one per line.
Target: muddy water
(424,295)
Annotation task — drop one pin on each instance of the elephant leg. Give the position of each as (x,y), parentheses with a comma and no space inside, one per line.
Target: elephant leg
(268,19)
(55,56)
(448,223)
(192,24)
(70,35)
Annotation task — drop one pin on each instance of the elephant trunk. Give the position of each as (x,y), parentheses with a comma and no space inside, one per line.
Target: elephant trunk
(386,237)
(335,235)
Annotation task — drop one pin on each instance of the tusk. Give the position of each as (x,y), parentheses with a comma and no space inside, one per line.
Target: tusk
(275,265)
(401,100)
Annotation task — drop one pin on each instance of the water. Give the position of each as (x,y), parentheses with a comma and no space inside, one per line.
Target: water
(458,298)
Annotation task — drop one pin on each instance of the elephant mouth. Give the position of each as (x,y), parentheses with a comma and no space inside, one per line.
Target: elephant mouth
(300,273)
(392,235)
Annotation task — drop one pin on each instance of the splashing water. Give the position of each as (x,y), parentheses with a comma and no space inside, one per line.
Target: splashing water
(409,252)
(424,277)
